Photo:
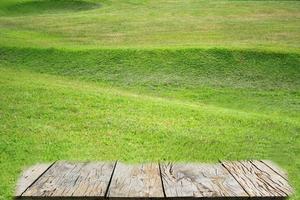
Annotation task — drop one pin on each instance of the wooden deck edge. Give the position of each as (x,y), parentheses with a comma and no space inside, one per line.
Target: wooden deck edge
(140,198)
(274,185)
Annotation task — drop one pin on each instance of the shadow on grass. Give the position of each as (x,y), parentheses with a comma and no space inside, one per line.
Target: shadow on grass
(50,6)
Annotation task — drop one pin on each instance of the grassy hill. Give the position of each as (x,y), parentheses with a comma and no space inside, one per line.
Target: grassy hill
(148,80)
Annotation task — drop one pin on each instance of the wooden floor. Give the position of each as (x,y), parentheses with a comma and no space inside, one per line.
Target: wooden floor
(99,180)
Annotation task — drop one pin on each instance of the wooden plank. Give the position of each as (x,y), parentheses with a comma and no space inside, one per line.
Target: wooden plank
(256,182)
(66,179)
(136,181)
(29,176)
(276,168)
(238,180)
(199,180)
(273,178)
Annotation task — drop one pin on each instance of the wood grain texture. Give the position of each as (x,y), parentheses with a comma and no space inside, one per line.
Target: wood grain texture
(29,176)
(199,180)
(136,181)
(273,178)
(276,168)
(227,180)
(256,182)
(66,179)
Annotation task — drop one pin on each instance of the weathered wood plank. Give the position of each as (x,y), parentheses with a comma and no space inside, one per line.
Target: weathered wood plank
(29,176)
(136,181)
(199,180)
(66,179)
(273,178)
(238,180)
(276,168)
(256,182)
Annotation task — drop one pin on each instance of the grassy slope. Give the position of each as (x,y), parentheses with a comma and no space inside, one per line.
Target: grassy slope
(156,104)
(144,24)
(137,105)
(216,76)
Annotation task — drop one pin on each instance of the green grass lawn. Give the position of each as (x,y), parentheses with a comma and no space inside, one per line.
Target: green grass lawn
(137,81)
(148,24)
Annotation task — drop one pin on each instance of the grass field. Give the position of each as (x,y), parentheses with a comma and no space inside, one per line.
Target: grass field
(148,24)
(148,80)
